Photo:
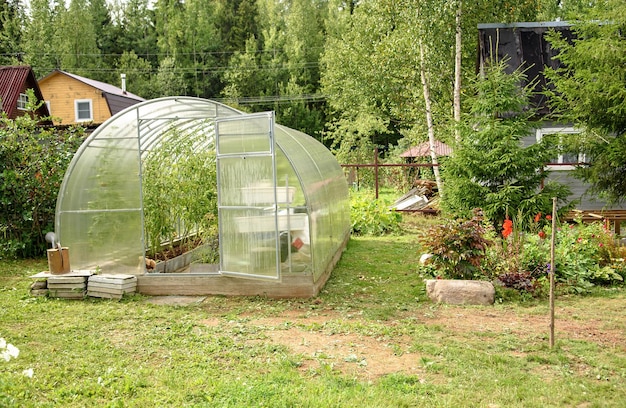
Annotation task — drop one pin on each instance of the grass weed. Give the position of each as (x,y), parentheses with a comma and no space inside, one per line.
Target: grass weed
(231,352)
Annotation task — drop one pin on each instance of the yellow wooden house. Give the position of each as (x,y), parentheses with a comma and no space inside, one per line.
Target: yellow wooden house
(74,99)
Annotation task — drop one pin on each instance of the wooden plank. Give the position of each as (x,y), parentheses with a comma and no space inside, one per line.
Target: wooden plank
(190,285)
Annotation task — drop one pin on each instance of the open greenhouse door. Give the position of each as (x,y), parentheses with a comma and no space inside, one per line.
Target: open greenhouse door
(248,197)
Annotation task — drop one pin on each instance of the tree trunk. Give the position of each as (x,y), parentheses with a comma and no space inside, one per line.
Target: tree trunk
(457,74)
(429,121)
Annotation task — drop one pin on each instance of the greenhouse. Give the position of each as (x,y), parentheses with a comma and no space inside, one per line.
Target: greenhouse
(263,208)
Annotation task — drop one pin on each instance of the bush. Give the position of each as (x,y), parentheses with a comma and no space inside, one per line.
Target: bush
(34,160)
(585,255)
(458,247)
(372,216)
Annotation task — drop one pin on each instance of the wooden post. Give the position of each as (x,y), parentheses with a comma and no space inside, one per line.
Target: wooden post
(376,169)
(552,268)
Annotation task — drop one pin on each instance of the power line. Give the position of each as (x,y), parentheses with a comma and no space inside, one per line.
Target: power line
(258,100)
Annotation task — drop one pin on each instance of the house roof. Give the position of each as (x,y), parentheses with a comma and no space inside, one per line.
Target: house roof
(117,98)
(103,86)
(423,150)
(13,81)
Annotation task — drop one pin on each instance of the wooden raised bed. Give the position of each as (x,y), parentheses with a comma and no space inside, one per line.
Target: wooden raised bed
(292,285)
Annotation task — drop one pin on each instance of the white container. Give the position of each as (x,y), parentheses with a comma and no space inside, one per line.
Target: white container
(265,195)
(265,223)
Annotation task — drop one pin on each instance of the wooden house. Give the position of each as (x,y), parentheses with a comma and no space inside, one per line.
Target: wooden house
(525,46)
(14,82)
(75,99)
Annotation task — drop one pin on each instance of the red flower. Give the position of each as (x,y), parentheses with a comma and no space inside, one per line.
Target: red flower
(548,217)
(538,217)
(507,228)
(542,235)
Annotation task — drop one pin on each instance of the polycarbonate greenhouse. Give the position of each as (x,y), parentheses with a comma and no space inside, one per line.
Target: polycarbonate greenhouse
(168,170)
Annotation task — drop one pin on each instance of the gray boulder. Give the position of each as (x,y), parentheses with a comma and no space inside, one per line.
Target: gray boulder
(460,292)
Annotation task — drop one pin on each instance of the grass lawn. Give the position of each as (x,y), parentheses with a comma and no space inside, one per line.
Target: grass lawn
(371,339)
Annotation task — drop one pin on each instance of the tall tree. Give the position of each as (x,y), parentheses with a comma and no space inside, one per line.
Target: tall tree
(39,49)
(168,81)
(75,40)
(237,21)
(186,32)
(105,36)
(138,73)
(491,169)
(373,66)
(137,30)
(279,69)
(590,92)
(11,16)
(243,78)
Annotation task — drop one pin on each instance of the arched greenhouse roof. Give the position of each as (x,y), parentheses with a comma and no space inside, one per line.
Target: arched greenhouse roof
(100,207)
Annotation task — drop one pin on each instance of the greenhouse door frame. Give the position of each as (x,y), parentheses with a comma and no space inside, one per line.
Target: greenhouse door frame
(238,143)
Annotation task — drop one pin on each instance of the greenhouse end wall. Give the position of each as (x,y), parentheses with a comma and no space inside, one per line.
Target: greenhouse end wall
(283,199)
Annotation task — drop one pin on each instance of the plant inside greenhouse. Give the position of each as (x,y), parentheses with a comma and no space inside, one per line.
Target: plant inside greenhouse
(173,205)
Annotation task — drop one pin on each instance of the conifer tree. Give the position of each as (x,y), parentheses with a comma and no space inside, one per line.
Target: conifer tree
(490,167)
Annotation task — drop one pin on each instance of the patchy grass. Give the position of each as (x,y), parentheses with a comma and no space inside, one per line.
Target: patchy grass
(370,339)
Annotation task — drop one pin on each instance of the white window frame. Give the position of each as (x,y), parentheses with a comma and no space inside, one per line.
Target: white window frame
(22,101)
(78,101)
(48,106)
(560,130)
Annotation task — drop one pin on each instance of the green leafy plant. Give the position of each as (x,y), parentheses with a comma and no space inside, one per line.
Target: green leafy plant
(458,247)
(372,216)
(585,255)
(180,192)
(33,162)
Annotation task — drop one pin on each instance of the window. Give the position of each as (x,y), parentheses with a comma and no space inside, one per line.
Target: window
(83,110)
(22,101)
(564,161)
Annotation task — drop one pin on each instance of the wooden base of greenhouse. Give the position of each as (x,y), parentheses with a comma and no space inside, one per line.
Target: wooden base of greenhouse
(293,285)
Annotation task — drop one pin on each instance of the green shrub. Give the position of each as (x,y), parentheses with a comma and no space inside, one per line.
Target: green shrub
(585,255)
(458,247)
(33,160)
(372,216)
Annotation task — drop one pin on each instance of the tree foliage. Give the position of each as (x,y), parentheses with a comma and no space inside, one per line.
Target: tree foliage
(589,90)
(490,167)
(10,31)
(32,164)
